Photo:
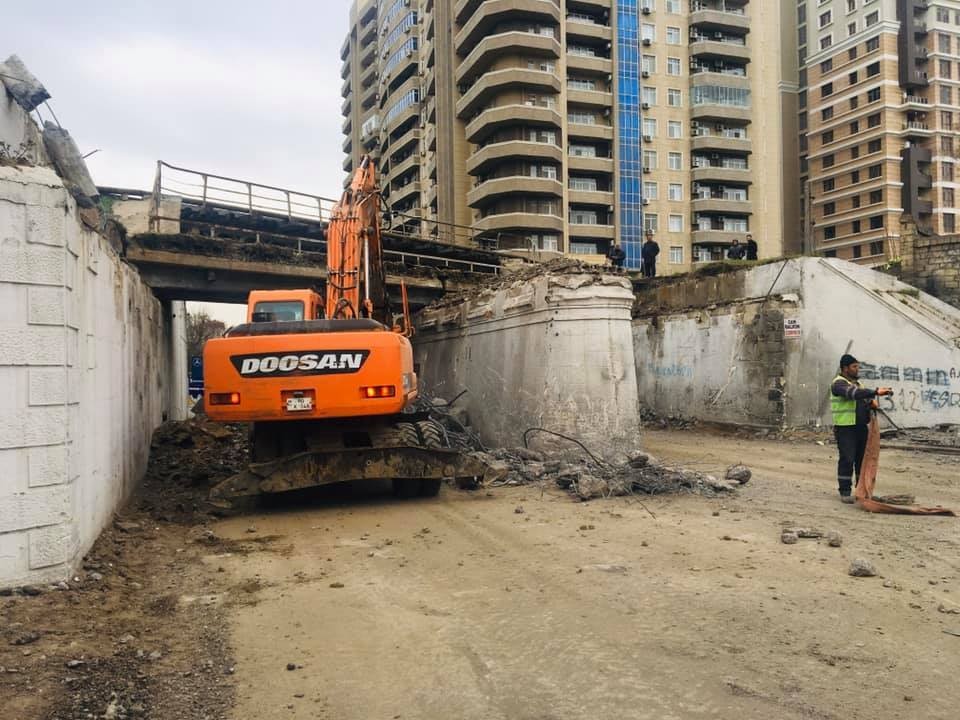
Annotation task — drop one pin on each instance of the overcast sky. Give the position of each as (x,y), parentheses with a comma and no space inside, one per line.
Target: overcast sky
(248,89)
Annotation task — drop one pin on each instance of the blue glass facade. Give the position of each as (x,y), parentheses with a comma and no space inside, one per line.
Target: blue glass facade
(628,131)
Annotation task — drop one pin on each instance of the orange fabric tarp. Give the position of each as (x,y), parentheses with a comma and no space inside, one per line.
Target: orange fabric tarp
(868,481)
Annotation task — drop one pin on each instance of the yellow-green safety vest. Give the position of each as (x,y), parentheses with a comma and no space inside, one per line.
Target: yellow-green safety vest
(844,410)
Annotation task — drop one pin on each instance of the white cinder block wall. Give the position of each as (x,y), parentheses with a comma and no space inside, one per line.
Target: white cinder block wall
(85,375)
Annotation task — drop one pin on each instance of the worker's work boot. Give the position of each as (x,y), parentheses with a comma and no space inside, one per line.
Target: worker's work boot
(847,498)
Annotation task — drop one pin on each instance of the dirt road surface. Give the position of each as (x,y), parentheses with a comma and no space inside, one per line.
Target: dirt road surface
(522,604)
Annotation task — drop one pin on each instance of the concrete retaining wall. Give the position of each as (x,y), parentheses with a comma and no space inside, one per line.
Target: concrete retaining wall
(86,355)
(554,352)
(761,346)
(932,263)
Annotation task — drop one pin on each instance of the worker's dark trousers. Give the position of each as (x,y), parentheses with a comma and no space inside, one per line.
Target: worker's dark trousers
(851,442)
(649,269)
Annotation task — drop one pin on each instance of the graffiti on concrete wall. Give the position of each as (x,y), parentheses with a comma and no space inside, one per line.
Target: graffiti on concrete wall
(920,389)
(673,370)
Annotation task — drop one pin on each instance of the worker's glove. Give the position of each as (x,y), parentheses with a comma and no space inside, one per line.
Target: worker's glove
(884,391)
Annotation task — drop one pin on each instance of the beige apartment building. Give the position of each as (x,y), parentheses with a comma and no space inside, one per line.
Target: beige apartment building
(567,125)
(879,102)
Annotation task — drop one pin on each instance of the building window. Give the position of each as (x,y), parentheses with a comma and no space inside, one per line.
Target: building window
(943,42)
(852,78)
(876,247)
(826,66)
(826,113)
(580,150)
(854,127)
(650,127)
(674,129)
(676,252)
(829,184)
(583,248)
(948,197)
(828,161)
(873,120)
(826,42)
(829,232)
(650,5)
(675,161)
(583,183)
(946,144)
(829,253)
(851,29)
(650,223)
(851,6)
(857,251)
(648,64)
(581,117)
(874,172)
(874,146)
(650,159)
(673,36)
(673,7)
(946,171)
(854,102)
(855,202)
(803,121)
(946,95)
(649,96)
(946,69)
(876,222)
(829,208)
(873,95)
(854,177)
(826,90)
(872,19)
(949,223)
(943,15)
(675,191)
(873,69)
(675,223)
(673,66)
(583,217)
(673,97)
(854,152)
(852,53)
(650,191)
(946,120)
(648,32)
(876,196)
(825,18)
(855,227)
(873,44)
(827,137)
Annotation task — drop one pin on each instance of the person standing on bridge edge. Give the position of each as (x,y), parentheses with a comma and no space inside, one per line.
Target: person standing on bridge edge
(648,256)
(751,247)
(616,255)
(851,405)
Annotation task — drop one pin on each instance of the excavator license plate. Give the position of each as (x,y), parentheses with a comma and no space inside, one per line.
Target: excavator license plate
(299,404)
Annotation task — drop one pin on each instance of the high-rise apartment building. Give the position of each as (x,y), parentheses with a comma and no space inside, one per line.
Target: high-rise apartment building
(879,101)
(568,125)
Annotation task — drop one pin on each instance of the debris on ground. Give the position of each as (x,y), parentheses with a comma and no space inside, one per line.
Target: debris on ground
(187,459)
(862,568)
(834,538)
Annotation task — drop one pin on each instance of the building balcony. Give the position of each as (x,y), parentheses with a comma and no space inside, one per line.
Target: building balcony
(493,47)
(404,193)
(720,79)
(368,31)
(369,98)
(721,143)
(490,13)
(345,88)
(583,131)
(710,20)
(368,55)
(492,155)
(590,197)
(519,223)
(402,167)
(717,237)
(590,164)
(593,232)
(406,114)
(346,106)
(594,31)
(490,84)
(915,102)
(719,113)
(719,174)
(917,128)
(490,120)
(722,206)
(590,98)
(431,137)
(345,70)
(405,141)
(589,64)
(347,164)
(494,188)
(345,48)
(707,47)
(368,77)
(347,144)
(347,125)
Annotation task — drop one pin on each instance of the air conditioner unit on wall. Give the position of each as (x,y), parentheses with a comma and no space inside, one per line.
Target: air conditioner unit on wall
(647,42)
(645,74)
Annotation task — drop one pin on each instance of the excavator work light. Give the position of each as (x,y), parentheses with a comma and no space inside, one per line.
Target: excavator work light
(379,391)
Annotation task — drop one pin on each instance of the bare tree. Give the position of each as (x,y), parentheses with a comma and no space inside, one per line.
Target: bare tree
(200,328)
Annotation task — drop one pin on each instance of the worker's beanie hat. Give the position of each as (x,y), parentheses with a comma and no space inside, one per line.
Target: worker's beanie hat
(846,360)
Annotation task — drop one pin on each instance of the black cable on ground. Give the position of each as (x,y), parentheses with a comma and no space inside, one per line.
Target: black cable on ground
(583,447)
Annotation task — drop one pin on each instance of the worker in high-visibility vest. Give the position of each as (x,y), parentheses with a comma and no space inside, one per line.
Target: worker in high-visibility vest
(852,405)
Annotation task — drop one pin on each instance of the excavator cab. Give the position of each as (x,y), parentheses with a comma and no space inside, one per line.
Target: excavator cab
(284,306)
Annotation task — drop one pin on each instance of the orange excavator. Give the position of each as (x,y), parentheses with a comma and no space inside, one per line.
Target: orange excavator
(328,385)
